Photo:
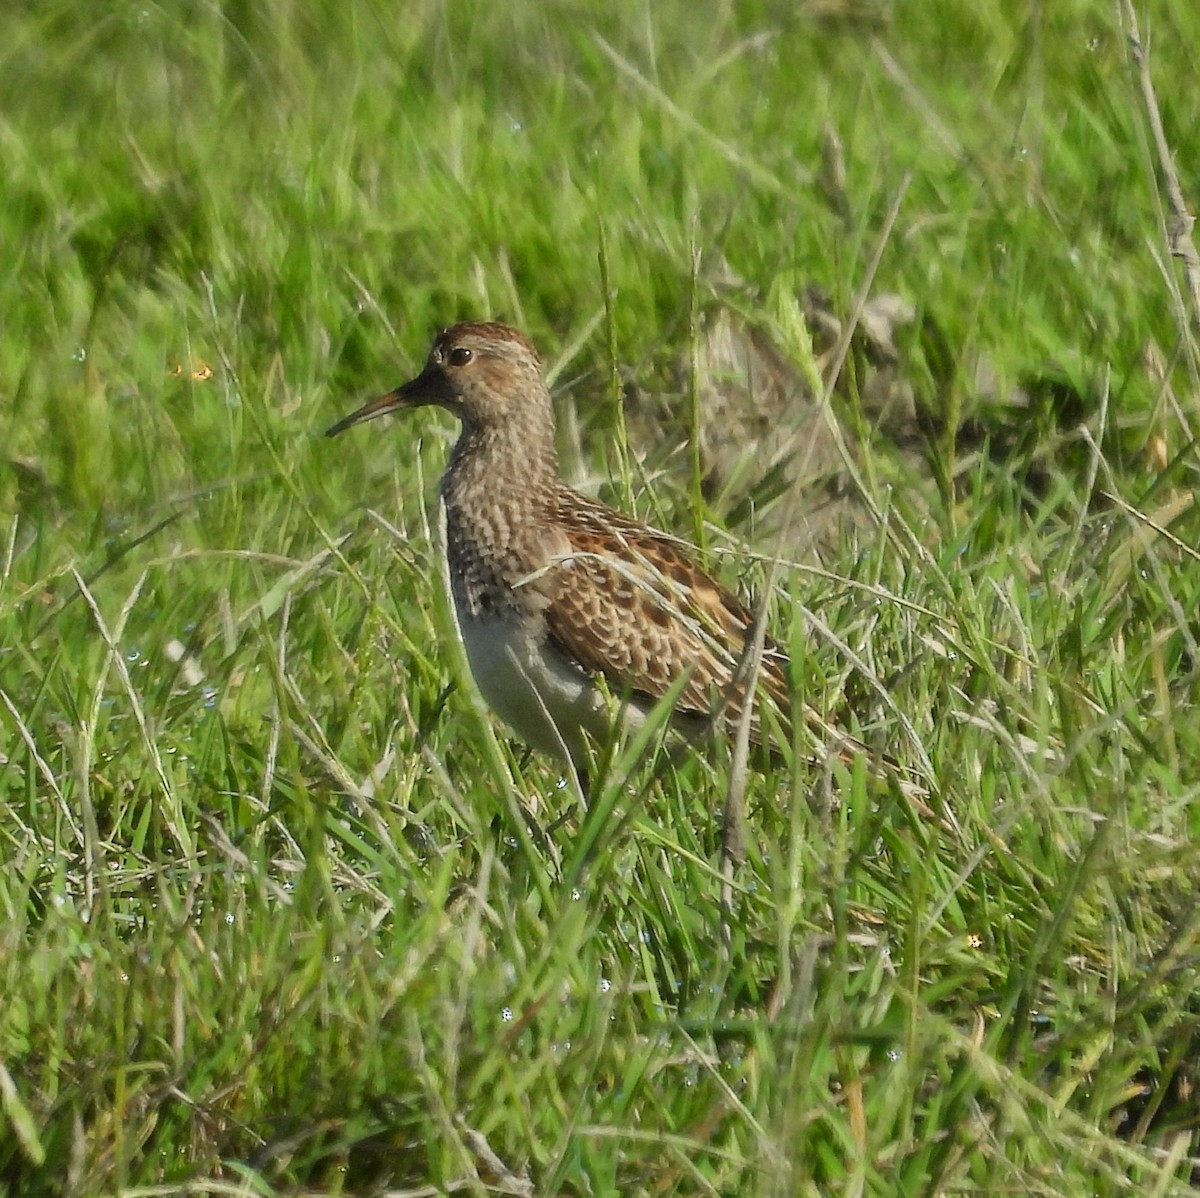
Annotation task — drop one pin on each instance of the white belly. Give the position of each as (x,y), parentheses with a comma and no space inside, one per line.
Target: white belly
(546,701)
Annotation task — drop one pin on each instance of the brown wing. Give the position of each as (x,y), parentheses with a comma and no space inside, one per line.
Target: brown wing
(630,604)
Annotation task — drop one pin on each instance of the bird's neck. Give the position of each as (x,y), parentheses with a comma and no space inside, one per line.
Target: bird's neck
(507,467)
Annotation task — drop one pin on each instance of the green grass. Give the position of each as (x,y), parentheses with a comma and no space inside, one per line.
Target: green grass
(272,915)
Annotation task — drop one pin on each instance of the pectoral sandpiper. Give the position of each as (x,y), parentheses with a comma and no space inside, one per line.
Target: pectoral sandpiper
(569,610)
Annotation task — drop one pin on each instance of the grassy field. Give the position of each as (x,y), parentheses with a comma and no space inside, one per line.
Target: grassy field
(283,911)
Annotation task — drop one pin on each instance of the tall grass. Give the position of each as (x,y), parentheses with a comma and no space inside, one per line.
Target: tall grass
(282,910)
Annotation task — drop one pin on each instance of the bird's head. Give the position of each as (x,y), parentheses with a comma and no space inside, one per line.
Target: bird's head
(486,374)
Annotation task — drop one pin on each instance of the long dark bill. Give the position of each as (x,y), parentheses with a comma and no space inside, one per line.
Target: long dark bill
(375,407)
(423,389)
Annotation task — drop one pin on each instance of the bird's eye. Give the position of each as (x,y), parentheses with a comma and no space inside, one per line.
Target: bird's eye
(460,356)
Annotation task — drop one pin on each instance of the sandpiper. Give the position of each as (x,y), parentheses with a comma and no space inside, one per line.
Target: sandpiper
(570,611)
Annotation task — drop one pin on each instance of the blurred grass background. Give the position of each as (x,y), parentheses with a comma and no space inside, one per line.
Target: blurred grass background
(271,920)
